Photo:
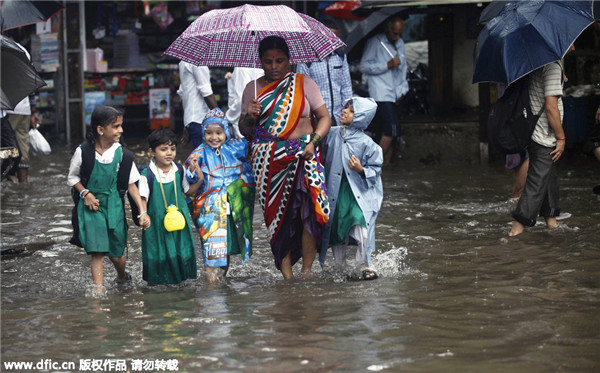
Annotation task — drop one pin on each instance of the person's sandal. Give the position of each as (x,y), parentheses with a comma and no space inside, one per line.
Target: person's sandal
(125,281)
(369,274)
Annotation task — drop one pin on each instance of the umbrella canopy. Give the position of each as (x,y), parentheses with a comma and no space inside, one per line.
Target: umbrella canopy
(230,37)
(372,25)
(15,13)
(526,35)
(18,77)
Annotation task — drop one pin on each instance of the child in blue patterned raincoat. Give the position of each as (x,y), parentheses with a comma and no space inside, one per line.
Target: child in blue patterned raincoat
(353,172)
(223,206)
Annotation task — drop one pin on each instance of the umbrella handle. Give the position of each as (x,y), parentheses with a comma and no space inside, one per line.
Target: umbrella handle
(386,49)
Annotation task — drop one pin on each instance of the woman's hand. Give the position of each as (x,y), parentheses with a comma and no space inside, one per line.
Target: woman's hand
(254,108)
(309,151)
(91,202)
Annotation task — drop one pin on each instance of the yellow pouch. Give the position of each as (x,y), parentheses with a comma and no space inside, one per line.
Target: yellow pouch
(174,220)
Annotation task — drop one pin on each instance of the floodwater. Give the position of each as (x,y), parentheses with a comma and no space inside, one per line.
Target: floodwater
(455,293)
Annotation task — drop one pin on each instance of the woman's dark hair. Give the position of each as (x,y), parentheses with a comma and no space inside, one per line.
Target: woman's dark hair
(102,116)
(162,136)
(273,42)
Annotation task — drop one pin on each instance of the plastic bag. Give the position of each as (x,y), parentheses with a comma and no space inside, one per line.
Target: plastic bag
(38,143)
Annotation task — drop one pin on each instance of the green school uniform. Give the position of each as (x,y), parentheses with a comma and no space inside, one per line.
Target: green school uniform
(167,257)
(104,230)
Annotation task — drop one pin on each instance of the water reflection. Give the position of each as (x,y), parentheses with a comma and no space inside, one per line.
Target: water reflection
(454,293)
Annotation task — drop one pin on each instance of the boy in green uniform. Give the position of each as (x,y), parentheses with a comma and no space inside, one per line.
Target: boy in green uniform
(168,254)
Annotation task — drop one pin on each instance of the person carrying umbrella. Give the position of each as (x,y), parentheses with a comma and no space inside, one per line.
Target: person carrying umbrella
(288,173)
(23,117)
(384,63)
(540,195)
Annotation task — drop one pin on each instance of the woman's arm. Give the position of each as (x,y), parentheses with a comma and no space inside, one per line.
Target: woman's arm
(247,123)
(323,126)
(250,111)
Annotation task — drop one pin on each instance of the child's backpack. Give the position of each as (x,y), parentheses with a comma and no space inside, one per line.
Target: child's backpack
(150,177)
(88,159)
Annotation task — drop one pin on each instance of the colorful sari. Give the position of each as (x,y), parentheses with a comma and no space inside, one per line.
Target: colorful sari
(291,191)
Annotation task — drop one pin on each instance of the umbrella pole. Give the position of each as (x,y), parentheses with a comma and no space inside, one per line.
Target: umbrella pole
(255,51)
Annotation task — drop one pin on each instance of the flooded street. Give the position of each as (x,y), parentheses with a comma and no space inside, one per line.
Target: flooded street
(455,293)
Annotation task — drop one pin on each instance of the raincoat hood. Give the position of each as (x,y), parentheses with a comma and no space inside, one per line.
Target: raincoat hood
(364,111)
(216,116)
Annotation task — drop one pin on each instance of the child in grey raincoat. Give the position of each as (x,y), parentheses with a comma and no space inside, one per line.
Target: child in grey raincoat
(353,173)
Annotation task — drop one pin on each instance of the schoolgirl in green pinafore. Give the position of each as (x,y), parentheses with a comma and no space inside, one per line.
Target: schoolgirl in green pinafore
(104,230)
(168,257)
(97,171)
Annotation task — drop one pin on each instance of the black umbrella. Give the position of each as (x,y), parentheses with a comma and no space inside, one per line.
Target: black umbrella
(367,28)
(18,77)
(15,13)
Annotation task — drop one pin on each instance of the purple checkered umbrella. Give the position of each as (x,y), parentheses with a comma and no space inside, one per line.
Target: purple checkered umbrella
(230,37)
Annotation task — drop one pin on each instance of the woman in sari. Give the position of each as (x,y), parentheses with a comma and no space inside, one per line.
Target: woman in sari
(285,156)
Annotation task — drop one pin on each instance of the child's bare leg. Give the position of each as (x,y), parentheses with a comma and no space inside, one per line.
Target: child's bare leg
(211,274)
(225,268)
(551,222)
(286,267)
(119,263)
(309,252)
(517,228)
(98,270)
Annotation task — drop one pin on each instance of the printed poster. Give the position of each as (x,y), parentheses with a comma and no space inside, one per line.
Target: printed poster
(93,99)
(160,108)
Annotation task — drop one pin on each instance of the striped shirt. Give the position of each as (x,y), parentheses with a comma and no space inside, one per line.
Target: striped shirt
(545,82)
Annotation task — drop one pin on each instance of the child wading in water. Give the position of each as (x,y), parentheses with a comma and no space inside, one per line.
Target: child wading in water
(101,171)
(223,207)
(169,257)
(353,163)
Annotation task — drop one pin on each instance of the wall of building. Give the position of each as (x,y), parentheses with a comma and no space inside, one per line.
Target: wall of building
(441,142)
(464,93)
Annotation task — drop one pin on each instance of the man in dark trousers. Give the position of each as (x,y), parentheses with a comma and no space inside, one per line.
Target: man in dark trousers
(540,195)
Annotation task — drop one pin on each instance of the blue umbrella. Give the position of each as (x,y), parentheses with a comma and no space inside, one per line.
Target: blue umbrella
(525,35)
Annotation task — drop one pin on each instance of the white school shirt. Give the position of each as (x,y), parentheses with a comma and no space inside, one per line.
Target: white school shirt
(104,158)
(165,177)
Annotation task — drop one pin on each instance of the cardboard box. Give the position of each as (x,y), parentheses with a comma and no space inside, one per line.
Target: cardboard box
(94,61)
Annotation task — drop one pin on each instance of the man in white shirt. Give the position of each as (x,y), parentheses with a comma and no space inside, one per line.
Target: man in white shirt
(540,195)
(384,63)
(235,87)
(197,98)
